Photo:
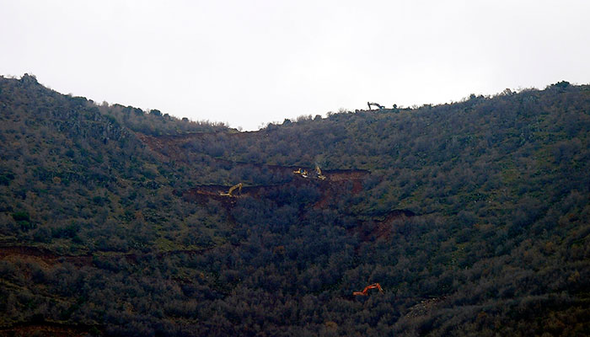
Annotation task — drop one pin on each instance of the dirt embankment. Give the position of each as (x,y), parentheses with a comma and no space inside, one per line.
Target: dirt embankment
(48,257)
(336,183)
(36,254)
(49,329)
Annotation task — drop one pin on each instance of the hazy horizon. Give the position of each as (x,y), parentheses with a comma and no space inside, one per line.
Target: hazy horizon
(248,64)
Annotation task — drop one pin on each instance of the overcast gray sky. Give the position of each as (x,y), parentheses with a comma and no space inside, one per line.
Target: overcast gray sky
(248,63)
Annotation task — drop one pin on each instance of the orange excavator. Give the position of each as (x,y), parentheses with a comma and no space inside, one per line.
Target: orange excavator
(365,291)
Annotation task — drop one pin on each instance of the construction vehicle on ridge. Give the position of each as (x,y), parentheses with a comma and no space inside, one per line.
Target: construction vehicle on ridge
(379,106)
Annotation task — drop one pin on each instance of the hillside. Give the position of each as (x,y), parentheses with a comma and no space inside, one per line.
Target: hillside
(474,217)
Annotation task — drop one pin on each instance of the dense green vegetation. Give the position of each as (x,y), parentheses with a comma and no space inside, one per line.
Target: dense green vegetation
(473,216)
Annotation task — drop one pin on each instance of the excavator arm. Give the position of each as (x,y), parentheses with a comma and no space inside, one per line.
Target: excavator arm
(318,170)
(305,174)
(365,291)
(232,189)
(379,106)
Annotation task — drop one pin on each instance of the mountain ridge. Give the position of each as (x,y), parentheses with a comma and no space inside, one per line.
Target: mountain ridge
(473,216)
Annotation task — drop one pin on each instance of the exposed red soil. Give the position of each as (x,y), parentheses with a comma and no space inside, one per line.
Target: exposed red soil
(47,257)
(42,254)
(337,183)
(346,175)
(46,329)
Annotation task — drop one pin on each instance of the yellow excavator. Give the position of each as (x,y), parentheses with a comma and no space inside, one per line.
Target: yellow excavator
(318,171)
(302,172)
(230,193)
(305,174)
